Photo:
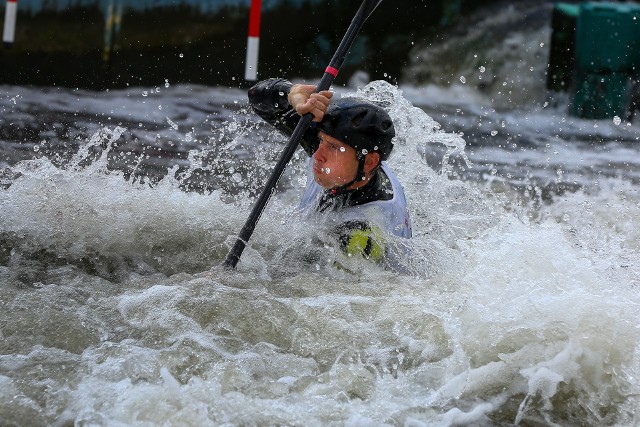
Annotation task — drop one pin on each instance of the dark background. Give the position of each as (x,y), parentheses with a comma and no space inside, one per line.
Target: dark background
(66,47)
(179,43)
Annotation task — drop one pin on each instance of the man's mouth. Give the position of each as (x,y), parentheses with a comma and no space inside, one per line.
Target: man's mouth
(320,170)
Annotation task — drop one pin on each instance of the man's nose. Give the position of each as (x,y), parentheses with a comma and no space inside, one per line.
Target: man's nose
(321,154)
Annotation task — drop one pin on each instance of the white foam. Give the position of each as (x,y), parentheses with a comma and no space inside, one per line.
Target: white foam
(501,319)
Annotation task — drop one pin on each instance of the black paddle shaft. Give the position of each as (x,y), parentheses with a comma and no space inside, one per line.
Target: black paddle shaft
(366,8)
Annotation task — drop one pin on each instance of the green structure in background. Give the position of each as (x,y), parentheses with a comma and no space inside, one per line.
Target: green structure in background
(595,55)
(607,60)
(562,51)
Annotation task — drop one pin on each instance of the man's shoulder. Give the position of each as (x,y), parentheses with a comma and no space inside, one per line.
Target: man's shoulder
(269,95)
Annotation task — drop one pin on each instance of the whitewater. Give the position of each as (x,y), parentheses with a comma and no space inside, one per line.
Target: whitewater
(518,305)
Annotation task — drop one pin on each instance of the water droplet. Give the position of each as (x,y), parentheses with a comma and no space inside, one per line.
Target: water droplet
(166,83)
(530,68)
(342,149)
(145,93)
(617,120)
(365,151)
(181,55)
(494,132)
(482,69)
(36,148)
(327,170)
(173,124)
(375,148)
(541,44)
(159,107)
(463,79)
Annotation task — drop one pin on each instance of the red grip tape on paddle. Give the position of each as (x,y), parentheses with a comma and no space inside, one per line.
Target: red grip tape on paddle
(332,71)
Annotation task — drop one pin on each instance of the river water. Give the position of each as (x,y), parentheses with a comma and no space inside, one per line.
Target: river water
(518,304)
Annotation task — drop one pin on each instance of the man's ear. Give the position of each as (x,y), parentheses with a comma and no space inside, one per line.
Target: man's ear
(371,161)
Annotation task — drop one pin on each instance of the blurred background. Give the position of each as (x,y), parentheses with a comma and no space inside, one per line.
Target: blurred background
(117,43)
(543,48)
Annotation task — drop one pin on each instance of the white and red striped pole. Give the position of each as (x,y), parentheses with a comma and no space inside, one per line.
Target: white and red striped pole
(253,42)
(10,13)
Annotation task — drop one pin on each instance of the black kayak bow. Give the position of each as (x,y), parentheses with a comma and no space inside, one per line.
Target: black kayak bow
(366,9)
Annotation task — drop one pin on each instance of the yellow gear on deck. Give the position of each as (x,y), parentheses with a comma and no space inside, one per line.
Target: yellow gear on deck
(364,240)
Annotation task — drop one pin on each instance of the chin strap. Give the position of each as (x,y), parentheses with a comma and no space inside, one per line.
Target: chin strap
(359,177)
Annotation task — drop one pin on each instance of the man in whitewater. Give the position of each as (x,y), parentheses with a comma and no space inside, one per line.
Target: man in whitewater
(349,183)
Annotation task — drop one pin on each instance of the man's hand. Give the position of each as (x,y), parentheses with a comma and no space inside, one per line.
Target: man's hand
(304,100)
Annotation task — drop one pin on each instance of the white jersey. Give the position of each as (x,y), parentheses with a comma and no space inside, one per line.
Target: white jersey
(390,215)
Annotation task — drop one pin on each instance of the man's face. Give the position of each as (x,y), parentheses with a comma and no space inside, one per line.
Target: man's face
(334,163)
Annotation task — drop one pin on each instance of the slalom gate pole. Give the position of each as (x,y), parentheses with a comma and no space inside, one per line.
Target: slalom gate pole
(10,12)
(366,9)
(253,42)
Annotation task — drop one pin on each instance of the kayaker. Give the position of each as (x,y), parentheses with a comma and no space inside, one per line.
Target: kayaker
(350,185)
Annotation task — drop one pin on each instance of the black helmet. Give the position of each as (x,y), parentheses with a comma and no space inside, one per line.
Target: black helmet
(359,124)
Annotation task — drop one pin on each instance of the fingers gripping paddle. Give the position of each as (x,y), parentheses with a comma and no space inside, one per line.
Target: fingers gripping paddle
(366,8)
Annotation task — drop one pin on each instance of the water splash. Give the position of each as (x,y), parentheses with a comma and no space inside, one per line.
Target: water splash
(114,309)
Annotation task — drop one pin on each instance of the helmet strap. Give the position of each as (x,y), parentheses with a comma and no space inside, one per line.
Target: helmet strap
(359,176)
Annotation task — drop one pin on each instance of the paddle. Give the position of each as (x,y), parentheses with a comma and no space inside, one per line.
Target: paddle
(366,9)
